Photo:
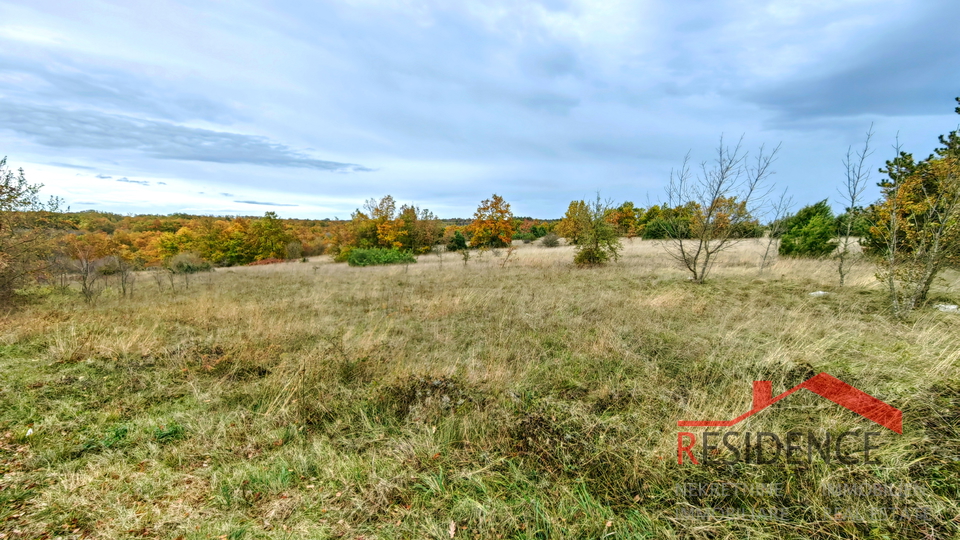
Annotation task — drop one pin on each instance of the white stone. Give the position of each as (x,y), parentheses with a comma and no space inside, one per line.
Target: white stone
(949,308)
(819,293)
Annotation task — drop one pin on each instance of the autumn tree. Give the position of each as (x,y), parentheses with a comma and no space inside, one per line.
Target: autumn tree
(389,230)
(420,229)
(120,261)
(269,237)
(124,263)
(492,224)
(26,224)
(233,244)
(572,226)
(626,219)
(382,225)
(916,226)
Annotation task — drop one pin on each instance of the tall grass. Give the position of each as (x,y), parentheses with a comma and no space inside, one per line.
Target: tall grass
(531,399)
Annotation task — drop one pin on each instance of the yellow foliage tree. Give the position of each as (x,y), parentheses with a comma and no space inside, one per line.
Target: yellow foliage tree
(493,223)
(571,226)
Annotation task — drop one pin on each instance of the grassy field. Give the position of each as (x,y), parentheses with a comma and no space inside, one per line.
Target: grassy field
(526,399)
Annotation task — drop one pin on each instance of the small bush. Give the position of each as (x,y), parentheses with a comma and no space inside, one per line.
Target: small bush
(526,237)
(377,256)
(551,240)
(188,263)
(590,256)
(457,243)
(108,266)
(343,255)
(294,250)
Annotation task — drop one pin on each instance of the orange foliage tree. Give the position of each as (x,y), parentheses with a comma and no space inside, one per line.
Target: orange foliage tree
(626,219)
(493,223)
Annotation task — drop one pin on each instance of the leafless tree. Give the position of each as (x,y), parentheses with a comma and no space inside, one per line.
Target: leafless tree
(722,198)
(125,275)
(158,273)
(851,193)
(87,266)
(778,213)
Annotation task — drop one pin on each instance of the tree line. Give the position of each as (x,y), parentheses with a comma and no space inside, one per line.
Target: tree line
(912,233)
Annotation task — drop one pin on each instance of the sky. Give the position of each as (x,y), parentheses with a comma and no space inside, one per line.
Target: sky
(308,109)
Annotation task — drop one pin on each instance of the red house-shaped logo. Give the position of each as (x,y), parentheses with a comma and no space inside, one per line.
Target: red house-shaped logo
(823,385)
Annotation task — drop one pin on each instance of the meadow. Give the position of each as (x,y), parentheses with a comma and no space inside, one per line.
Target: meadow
(501,398)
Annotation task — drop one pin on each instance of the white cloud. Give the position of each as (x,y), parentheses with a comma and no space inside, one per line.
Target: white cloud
(447,102)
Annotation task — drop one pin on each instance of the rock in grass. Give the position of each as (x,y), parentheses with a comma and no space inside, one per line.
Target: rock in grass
(949,308)
(819,293)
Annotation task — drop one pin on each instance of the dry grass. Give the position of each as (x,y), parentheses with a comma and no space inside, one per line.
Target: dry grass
(525,400)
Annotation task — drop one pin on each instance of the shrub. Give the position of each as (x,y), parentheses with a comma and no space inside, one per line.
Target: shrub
(749,229)
(657,229)
(587,226)
(108,267)
(294,250)
(815,239)
(550,240)
(590,256)
(377,256)
(343,254)
(457,243)
(188,263)
(810,232)
(526,237)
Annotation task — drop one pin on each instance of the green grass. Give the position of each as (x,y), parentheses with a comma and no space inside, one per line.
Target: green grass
(526,400)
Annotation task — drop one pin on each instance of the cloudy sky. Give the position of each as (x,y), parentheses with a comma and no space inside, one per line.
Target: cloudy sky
(309,108)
